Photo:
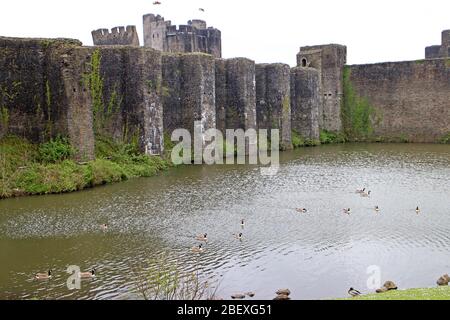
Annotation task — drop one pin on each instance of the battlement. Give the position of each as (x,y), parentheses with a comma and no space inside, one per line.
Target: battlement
(117,36)
(439,51)
(199,24)
(195,36)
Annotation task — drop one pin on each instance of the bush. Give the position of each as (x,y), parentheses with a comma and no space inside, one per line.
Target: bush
(56,150)
(299,141)
(327,137)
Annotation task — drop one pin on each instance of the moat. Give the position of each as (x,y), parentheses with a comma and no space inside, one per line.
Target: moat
(317,255)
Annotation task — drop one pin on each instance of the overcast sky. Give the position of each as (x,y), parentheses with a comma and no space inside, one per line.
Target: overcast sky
(262,30)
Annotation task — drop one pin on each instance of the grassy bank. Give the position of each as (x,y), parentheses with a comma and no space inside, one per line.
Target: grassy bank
(440,293)
(30,169)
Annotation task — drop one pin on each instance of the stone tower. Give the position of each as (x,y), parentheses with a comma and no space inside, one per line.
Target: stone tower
(329,60)
(439,51)
(193,37)
(118,36)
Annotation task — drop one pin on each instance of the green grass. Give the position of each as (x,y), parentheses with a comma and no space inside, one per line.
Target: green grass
(29,169)
(440,293)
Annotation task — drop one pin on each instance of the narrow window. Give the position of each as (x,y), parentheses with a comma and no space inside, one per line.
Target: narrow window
(304,62)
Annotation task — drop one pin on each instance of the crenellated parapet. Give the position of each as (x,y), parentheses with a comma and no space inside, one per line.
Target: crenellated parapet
(117,36)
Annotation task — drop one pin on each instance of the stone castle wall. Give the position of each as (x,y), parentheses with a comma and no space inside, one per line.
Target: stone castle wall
(411,99)
(329,60)
(305,101)
(117,36)
(45,91)
(273,100)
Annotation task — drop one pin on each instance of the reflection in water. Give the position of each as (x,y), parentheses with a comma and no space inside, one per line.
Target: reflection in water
(319,254)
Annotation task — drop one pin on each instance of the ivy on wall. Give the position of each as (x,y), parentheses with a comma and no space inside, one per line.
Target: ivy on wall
(357,113)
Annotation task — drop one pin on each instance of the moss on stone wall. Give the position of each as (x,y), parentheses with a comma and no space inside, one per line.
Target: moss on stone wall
(357,113)
(95,82)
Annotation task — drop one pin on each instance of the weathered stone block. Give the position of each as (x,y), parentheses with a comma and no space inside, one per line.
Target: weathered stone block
(236,99)
(189,91)
(305,102)
(43,93)
(273,100)
(329,60)
(411,99)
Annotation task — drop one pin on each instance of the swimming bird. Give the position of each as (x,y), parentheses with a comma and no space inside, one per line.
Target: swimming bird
(366,195)
(43,276)
(156,3)
(283,292)
(238,236)
(202,237)
(242,223)
(201,9)
(377,208)
(104,227)
(361,191)
(417,210)
(250,294)
(87,275)
(238,296)
(354,293)
(302,210)
(198,249)
(348,211)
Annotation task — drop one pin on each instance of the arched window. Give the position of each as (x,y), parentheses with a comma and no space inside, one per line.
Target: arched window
(304,62)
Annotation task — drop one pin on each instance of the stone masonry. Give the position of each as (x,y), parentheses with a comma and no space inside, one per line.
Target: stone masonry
(273,100)
(305,102)
(193,37)
(329,60)
(118,36)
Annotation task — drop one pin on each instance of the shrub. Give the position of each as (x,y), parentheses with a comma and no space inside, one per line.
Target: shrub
(56,150)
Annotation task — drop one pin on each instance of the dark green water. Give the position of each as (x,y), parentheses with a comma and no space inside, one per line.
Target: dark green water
(318,255)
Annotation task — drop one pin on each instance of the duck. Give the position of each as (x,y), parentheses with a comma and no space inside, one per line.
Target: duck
(238,296)
(348,211)
(87,275)
(104,227)
(283,292)
(366,195)
(202,237)
(250,294)
(238,236)
(302,210)
(242,223)
(43,276)
(417,210)
(198,249)
(361,191)
(377,208)
(354,293)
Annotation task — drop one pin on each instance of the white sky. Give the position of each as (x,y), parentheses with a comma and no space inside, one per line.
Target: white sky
(262,30)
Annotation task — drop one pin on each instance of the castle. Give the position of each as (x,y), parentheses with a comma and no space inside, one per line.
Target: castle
(163,36)
(117,88)
(440,51)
